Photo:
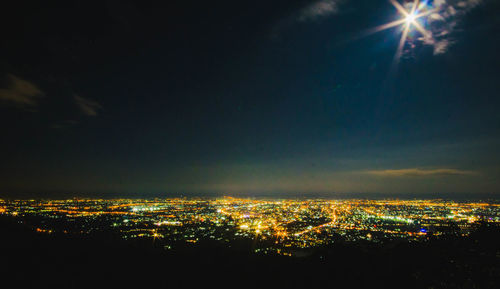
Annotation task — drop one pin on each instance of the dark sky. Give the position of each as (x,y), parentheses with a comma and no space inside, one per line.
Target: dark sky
(248,96)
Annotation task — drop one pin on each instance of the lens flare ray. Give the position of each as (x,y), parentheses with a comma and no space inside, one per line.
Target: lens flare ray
(409,20)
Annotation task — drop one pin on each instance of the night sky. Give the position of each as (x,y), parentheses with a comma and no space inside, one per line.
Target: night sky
(248,97)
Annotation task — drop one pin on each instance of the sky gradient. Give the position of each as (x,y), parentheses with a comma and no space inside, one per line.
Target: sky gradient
(248,97)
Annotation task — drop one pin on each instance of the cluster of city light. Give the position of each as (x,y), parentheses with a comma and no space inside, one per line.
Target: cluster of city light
(276,225)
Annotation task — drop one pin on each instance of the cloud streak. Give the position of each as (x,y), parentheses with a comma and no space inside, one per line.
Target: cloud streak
(20,92)
(64,124)
(87,106)
(416,172)
(444,21)
(318,9)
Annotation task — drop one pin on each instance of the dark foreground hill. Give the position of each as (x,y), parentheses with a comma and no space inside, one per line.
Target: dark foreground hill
(58,261)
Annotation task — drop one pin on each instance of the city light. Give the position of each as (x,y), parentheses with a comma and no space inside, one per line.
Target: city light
(277,226)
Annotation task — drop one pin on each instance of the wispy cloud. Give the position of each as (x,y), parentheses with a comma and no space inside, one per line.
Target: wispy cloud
(87,106)
(319,9)
(416,172)
(444,21)
(20,92)
(64,124)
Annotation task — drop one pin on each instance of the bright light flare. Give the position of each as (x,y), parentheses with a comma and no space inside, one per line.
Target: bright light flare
(410,19)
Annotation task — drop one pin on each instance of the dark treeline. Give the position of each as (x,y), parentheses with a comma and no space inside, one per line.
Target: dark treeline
(105,261)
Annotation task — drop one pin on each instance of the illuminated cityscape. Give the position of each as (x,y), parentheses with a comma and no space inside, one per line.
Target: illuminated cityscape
(281,226)
(264,144)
